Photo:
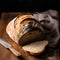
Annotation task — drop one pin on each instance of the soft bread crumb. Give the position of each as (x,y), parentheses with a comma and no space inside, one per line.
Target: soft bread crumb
(35,47)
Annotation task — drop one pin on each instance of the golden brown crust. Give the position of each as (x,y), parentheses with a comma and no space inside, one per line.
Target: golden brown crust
(24,25)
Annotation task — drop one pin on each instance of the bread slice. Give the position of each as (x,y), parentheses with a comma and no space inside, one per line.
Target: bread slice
(36,47)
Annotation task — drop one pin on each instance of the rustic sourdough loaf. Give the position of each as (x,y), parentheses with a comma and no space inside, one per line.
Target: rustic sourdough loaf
(26,31)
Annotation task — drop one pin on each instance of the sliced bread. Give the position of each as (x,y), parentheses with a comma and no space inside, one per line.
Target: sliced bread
(36,47)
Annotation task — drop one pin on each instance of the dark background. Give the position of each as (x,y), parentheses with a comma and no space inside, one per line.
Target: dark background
(28,5)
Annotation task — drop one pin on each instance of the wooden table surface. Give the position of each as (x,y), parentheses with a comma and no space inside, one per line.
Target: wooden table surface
(5,54)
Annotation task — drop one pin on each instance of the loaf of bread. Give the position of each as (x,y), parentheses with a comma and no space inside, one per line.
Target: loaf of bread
(26,31)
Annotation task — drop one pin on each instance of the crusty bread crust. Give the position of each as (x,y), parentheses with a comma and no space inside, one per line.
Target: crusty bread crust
(11,30)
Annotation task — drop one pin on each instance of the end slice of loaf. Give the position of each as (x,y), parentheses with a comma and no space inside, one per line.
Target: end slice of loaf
(36,48)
